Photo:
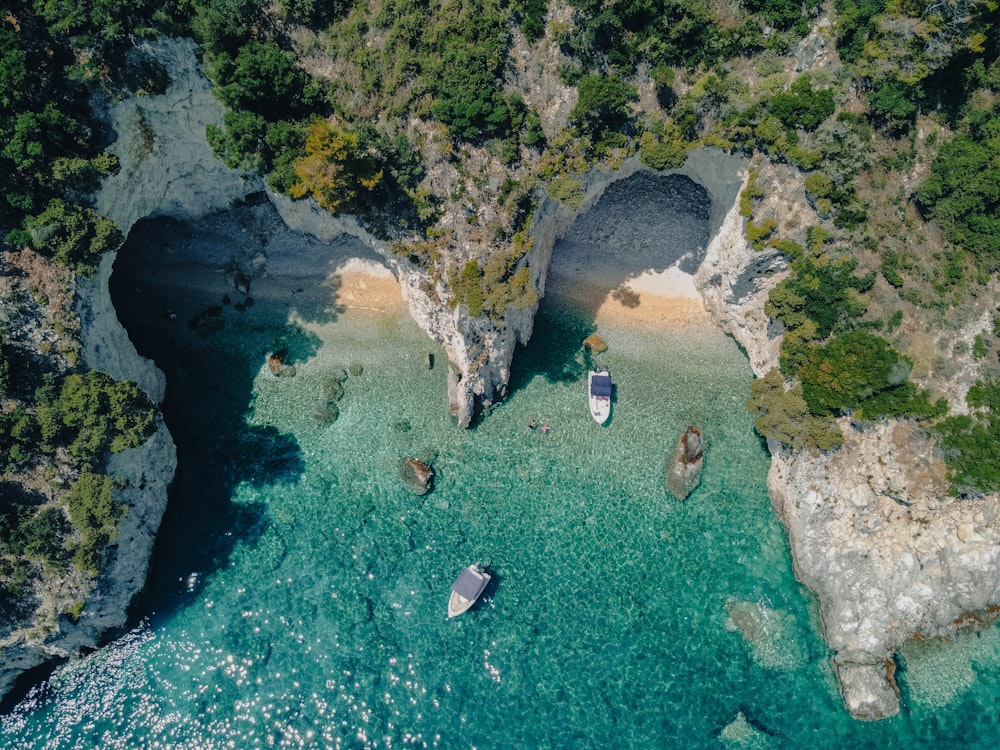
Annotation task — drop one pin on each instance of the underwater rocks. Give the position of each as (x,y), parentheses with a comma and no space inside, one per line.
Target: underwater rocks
(775,638)
(595,344)
(277,365)
(683,472)
(417,476)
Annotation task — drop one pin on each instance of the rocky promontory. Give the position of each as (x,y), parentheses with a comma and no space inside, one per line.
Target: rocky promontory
(873,533)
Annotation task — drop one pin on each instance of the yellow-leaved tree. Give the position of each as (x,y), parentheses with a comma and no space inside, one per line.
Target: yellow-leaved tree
(333,167)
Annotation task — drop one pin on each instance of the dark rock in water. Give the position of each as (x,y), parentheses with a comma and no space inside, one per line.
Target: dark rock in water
(333,389)
(429,360)
(595,343)
(276,364)
(240,280)
(403,425)
(683,471)
(356,370)
(417,476)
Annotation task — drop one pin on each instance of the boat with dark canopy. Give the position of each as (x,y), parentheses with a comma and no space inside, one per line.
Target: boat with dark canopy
(468,587)
(599,391)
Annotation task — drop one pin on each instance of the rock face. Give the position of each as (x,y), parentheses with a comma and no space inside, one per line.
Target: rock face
(166,169)
(683,472)
(871,528)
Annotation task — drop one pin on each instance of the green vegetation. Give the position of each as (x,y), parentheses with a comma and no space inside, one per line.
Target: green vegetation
(505,281)
(970,442)
(602,109)
(334,168)
(663,147)
(95,513)
(33,532)
(92,415)
(462,67)
(783,415)
(860,372)
(49,148)
(750,194)
(963,189)
(74,236)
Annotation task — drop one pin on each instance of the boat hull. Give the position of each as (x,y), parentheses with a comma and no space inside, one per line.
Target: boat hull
(468,587)
(600,403)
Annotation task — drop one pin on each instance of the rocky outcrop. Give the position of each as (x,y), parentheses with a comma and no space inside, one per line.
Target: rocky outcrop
(887,552)
(417,476)
(166,169)
(683,471)
(872,531)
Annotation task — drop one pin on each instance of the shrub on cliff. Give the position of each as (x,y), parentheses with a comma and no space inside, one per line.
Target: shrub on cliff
(663,148)
(74,236)
(503,281)
(970,442)
(96,515)
(784,416)
(963,189)
(333,167)
(93,414)
(263,79)
(861,372)
(602,108)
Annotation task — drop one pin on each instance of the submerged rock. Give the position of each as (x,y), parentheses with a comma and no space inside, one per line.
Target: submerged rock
(683,471)
(595,344)
(276,364)
(418,477)
(741,733)
(775,637)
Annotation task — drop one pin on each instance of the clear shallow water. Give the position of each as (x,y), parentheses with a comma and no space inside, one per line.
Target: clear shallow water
(300,593)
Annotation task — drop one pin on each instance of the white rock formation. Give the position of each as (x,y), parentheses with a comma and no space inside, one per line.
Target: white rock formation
(871,528)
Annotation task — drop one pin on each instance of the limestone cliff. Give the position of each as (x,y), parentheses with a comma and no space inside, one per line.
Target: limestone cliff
(872,531)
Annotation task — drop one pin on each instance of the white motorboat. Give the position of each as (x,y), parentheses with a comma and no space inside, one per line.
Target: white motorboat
(468,587)
(599,394)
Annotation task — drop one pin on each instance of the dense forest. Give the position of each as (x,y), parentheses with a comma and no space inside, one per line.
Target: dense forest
(358,105)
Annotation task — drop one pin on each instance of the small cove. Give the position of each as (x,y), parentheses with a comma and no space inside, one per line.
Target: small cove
(298,593)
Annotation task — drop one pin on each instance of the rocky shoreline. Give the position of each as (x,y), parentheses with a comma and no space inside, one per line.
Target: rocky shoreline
(872,532)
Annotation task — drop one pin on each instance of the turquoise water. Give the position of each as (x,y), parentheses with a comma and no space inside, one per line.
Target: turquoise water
(299,594)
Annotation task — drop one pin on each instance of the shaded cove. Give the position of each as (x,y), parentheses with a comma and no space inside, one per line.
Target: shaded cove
(182,289)
(178,286)
(644,222)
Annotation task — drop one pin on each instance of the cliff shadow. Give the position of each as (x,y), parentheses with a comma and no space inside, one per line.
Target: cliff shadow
(210,302)
(644,222)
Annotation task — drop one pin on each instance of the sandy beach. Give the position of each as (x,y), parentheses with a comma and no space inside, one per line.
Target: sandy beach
(656,299)
(366,286)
